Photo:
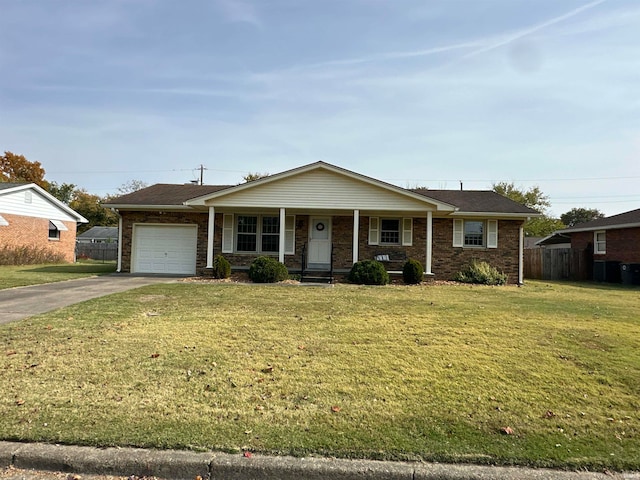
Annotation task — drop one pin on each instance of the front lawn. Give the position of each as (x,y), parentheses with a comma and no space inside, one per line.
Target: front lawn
(22,275)
(544,375)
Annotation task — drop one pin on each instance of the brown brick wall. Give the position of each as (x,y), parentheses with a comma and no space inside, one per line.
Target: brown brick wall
(623,245)
(34,232)
(447,260)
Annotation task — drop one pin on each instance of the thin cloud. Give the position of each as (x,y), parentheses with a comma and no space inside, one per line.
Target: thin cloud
(239,11)
(528,31)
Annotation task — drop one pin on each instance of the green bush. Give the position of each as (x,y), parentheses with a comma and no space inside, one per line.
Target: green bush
(28,255)
(412,272)
(368,272)
(482,273)
(221,267)
(267,270)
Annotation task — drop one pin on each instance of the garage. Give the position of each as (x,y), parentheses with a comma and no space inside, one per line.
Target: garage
(169,249)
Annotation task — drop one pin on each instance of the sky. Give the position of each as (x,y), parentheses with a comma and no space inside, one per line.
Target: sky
(417,93)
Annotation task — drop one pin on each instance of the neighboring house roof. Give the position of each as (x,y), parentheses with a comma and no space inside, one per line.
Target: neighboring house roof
(553,239)
(9,188)
(99,232)
(456,202)
(629,219)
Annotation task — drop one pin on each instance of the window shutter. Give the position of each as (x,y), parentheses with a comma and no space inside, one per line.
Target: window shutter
(290,234)
(407,232)
(492,234)
(374,230)
(227,233)
(458,233)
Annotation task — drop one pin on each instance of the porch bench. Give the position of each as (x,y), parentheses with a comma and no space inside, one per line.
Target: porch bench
(393,261)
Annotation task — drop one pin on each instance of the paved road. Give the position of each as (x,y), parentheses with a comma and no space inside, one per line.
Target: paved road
(22,302)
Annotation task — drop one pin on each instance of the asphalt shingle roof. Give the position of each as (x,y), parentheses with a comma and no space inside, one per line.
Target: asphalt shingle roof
(477,201)
(165,194)
(626,218)
(466,200)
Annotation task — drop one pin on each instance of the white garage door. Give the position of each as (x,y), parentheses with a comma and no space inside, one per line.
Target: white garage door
(164,249)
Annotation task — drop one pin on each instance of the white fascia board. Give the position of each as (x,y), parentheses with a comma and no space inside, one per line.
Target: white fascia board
(41,191)
(202,201)
(600,228)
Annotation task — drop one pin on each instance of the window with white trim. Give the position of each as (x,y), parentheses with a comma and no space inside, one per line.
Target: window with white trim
(600,242)
(256,233)
(475,233)
(391,231)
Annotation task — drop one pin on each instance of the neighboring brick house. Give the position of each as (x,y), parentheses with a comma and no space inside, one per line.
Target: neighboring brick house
(30,216)
(317,217)
(608,247)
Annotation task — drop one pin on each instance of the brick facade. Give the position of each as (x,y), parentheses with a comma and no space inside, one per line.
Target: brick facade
(34,232)
(446,260)
(622,245)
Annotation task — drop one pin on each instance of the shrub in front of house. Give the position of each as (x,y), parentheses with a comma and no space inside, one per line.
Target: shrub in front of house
(412,272)
(221,267)
(267,270)
(481,273)
(368,272)
(28,255)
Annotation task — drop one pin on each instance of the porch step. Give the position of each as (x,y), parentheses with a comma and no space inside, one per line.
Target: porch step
(317,277)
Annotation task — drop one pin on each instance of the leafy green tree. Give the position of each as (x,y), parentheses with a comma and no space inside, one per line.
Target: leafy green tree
(16,168)
(63,191)
(532,198)
(90,207)
(250,177)
(580,215)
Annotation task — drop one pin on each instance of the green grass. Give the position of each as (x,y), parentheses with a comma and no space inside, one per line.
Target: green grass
(20,276)
(411,373)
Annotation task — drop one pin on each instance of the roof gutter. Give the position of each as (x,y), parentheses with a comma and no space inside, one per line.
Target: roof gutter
(601,227)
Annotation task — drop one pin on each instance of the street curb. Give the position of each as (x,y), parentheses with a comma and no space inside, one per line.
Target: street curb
(184,465)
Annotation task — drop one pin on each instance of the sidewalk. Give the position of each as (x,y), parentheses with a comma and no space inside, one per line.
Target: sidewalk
(173,464)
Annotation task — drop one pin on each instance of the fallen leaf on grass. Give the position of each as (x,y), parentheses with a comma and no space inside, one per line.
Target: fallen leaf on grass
(507,430)
(335,409)
(549,414)
(155,355)
(301,347)
(11,352)
(268,369)
(246,454)
(19,402)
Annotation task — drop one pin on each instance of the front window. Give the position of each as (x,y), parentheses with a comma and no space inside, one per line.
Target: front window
(390,231)
(253,231)
(600,242)
(473,233)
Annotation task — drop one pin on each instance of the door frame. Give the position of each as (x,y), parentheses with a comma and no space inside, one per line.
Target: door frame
(327,219)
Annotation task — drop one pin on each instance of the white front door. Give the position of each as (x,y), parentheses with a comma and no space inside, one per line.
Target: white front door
(319,242)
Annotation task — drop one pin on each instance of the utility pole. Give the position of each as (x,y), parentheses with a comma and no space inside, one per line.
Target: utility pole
(202,169)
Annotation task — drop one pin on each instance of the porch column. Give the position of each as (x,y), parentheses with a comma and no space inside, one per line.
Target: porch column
(119,268)
(521,257)
(429,241)
(210,234)
(356,230)
(282,236)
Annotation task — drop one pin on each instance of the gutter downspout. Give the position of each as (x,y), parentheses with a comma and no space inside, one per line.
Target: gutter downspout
(521,257)
(119,267)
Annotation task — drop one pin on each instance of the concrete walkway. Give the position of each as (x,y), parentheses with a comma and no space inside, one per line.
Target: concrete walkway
(22,302)
(125,462)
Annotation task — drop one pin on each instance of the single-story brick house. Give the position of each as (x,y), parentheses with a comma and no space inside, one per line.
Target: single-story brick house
(317,217)
(608,246)
(31,216)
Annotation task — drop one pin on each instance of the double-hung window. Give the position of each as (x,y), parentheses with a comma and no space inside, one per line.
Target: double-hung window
(256,234)
(389,231)
(475,233)
(600,242)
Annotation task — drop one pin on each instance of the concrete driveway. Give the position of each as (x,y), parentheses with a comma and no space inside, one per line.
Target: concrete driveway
(22,302)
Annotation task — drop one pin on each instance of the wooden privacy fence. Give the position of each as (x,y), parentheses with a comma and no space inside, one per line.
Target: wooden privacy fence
(97,251)
(557,264)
